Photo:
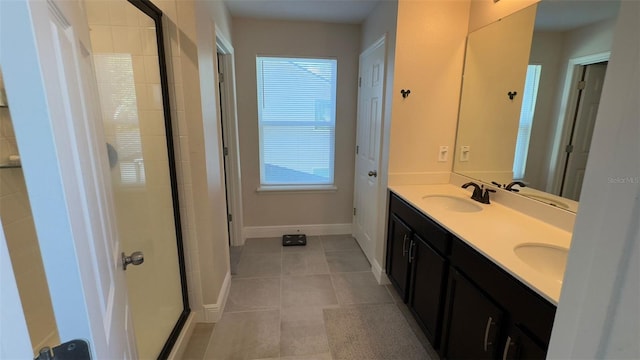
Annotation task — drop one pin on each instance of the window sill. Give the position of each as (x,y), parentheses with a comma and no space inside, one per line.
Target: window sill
(296,188)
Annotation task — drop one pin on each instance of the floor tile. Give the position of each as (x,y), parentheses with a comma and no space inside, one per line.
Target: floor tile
(246,335)
(262,245)
(259,265)
(253,294)
(304,263)
(314,243)
(347,261)
(307,290)
(339,243)
(359,288)
(234,258)
(326,356)
(302,332)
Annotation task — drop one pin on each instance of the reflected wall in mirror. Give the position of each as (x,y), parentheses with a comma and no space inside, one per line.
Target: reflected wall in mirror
(542,136)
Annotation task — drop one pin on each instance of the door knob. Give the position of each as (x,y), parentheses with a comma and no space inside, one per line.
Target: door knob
(373,173)
(136,258)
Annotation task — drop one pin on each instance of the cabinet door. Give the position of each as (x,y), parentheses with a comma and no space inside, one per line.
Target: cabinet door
(472,322)
(426,293)
(519,345)
(397,255)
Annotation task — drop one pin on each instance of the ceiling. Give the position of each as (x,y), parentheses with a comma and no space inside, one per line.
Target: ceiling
(335,11)
(563,15)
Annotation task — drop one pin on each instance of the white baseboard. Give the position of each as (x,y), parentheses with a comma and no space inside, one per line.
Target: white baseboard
(213,312)
(183,339)
(379,273)
(249,232)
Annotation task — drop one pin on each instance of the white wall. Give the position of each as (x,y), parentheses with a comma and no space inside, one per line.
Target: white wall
(429,55)
(305,39)
(597,315)
(383,21)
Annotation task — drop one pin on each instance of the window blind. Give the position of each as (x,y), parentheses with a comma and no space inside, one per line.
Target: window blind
(296,116)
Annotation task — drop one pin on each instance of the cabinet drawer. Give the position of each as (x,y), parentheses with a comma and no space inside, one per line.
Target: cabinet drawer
(527,309)
(432,233)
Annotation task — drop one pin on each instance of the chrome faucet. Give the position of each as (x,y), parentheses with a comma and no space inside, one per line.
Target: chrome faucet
(480,194)
(514,183)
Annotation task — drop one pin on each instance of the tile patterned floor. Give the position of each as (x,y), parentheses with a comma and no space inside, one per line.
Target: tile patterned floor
(277,296)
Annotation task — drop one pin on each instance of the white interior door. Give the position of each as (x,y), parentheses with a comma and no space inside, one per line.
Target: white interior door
(370,106)
(46,60)
(585,119)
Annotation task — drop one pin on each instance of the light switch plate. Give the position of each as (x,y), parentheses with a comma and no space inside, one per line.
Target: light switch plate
(443,154)
(464,152)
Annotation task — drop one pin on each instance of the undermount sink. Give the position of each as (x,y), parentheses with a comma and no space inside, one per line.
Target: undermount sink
(452,203)
(547,259)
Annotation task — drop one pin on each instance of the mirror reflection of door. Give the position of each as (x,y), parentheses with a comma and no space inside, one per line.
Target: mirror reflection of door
(584,119)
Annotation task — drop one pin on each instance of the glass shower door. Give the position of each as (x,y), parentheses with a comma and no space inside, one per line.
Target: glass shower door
(135,114)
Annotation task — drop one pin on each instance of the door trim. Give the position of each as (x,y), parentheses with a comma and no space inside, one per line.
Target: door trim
(228,112)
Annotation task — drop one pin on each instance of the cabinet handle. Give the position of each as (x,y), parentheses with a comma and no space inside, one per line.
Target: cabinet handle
(486,333)
(412,245)
(506,348)
(404,245)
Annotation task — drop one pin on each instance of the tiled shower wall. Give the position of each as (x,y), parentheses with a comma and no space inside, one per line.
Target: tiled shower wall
(22,242)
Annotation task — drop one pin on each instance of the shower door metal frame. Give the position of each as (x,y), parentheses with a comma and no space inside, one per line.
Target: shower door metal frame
(156,14)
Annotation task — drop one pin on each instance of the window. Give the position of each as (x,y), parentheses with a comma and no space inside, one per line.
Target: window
(296,117)
(526,120)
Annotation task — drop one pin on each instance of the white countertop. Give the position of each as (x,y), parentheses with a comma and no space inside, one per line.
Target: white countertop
(494,232)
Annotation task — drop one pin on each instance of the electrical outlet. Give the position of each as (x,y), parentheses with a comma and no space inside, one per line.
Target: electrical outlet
(443,154)
(464,153)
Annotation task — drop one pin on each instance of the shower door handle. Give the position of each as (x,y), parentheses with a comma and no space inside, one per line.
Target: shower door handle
(136,258)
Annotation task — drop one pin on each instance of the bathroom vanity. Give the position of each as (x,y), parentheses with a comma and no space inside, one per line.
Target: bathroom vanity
(467,272)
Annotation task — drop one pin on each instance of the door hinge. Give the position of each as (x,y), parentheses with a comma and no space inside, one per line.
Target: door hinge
(569,148)
(357,149)
(225,151)
(220,77)
(74,349)
(354,211)
(229,217)
(582,85)
(360,82)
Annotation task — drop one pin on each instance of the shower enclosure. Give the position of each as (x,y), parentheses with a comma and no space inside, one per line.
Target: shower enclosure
(130,69)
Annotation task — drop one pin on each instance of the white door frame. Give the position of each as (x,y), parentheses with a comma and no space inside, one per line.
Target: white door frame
(568,109)
(228,111)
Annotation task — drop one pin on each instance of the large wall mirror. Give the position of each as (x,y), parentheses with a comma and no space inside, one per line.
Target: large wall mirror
(531,88)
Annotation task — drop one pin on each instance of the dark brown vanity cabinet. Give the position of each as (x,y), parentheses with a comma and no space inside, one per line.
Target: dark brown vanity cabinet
(473,321)
(399,240)
(468,307)
(414,265)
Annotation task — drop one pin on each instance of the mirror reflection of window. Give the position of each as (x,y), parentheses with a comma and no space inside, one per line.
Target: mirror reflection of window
(526,120)
(115,79)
